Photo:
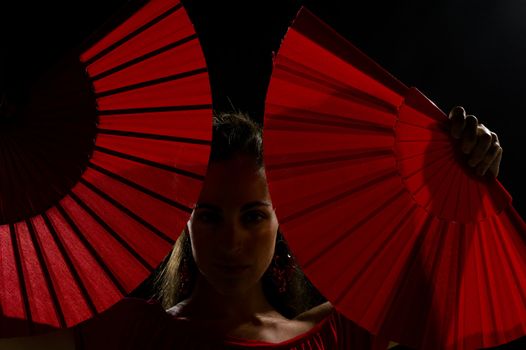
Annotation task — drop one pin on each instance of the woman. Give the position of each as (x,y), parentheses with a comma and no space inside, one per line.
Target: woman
(230,281)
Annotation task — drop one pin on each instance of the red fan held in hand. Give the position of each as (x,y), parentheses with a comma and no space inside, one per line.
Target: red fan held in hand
(99,172)
(379,209)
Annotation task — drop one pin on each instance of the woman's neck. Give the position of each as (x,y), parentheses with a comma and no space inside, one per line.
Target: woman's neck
(207,304)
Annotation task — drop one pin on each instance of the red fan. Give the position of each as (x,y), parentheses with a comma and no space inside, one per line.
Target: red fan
(379,209)
(100,171)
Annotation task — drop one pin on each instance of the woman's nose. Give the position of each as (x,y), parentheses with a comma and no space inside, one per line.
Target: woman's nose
(232,236)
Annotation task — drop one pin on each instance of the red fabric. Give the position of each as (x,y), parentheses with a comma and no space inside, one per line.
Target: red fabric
(138,324)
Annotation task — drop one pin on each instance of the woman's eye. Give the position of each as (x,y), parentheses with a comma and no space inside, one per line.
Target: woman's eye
(208,217)
(253,216)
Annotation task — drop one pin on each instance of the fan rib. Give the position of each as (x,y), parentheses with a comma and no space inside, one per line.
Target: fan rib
(507,256)
(154,136)
(152,82)
(308,25)
(47,277)
(381,248)
(150,163)
(92,250)
(21,281)
(112,232)
(450,179)
(109,112)
(328,201)
(438,256)
(140,188)
(497,249)
(437,126)
(128,212)
(136,32)
(347,91)
(144,57)
(322,119)
(356,226)
(405,279)
(486,280)
(459,272)
(421,187)
(70,264)
(439,152)
(366,154)
(459,180)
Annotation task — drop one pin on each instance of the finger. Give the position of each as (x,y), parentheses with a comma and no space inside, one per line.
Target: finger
(488,159)
(495,166)
(469,134)
(458,121)
(484,140)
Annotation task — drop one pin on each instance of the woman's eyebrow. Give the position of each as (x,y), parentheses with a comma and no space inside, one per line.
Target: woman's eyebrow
(206,206)
(253,204)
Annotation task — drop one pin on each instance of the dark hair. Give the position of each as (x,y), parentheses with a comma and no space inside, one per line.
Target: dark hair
(234,134)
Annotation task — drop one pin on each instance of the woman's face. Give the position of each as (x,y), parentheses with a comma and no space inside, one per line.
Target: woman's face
(233,226)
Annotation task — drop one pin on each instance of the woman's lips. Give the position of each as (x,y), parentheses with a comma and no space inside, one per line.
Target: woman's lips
(234,269)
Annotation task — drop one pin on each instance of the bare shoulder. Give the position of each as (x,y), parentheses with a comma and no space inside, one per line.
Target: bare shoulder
(317,313)
(60,340)
(179,310)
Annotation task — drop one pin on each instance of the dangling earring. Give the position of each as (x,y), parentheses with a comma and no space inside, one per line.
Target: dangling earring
(184,269)
(184,273)
(282,268)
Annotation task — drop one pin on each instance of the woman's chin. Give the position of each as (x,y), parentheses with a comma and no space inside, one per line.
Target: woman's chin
(233,286)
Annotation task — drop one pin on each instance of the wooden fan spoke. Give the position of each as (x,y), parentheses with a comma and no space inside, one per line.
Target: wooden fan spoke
(153,136)
(285,166)
(36,281)
(191,90)
(337,104)
(180,159)
(98,279)
(311,78)
(12,288)
(149,83)
(510,252)
(65,275)
(132,202)
(121,258)
(421,158)
(367,246)
(170,31)
(114,217)
(116,112)
(285,118)
(176,190)
(151,14)
(184,124)
(334,65)
(152,64)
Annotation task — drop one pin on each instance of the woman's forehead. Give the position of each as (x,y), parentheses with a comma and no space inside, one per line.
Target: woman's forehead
(235,180)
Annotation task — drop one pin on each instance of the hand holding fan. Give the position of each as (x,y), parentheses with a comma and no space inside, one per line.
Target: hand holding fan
(382,214)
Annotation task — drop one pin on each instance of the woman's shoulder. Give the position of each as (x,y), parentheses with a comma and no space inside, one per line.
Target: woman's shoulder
(340,323)
(317,314)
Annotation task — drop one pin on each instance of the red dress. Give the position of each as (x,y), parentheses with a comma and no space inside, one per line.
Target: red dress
(139,324)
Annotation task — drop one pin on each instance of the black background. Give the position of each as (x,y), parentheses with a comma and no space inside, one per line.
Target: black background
(469,53)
